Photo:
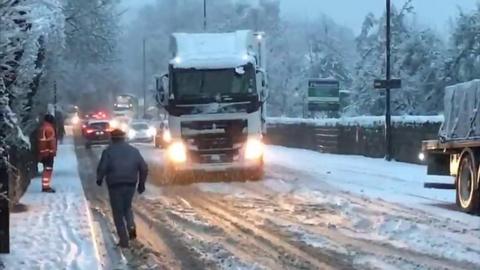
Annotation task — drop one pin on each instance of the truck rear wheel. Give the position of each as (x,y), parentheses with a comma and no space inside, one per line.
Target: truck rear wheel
(467,195)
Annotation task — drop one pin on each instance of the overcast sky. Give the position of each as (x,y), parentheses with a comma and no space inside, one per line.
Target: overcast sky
(434,13)
(350,13)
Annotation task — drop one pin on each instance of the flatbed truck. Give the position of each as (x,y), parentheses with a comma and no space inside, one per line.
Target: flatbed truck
(457,151)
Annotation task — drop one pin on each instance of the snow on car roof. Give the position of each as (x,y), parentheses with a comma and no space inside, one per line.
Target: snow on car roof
(212,50)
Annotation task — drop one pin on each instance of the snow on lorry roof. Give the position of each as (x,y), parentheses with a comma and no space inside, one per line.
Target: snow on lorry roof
(212,50)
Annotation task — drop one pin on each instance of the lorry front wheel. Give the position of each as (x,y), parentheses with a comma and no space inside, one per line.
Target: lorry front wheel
(255,175)
(467,195)
(170,176)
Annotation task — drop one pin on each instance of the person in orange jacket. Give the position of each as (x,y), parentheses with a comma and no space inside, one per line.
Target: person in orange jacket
(47,150)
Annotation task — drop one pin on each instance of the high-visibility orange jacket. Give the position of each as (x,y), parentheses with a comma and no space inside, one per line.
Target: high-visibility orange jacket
(47,141)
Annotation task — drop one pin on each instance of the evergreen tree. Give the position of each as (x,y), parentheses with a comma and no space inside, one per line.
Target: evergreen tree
(90,57)
(416,59)
(31,33)
(464,50)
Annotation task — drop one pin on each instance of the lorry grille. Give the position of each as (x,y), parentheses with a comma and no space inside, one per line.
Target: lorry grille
(214,141)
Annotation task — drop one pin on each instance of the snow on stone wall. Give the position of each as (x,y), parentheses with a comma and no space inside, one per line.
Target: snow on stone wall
(364,121)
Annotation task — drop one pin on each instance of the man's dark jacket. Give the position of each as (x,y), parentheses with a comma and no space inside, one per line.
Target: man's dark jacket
(122,164)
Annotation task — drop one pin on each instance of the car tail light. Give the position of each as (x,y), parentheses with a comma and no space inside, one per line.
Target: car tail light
(90,130)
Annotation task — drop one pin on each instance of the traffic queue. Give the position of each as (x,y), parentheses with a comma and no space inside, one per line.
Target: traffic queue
(96,128)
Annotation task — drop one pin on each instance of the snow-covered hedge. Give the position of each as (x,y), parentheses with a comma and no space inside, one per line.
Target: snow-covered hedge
(364,121)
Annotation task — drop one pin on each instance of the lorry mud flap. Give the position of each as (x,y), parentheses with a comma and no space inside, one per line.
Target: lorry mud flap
(438,164)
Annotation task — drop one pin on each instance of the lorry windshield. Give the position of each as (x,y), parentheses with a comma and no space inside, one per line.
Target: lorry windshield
(122,109)
(195,84)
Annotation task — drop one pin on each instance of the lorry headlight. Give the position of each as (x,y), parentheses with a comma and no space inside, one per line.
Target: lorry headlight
(167,136)
(177,152)
(421,156)
(254,149)
(131,134)
(151,131)
(124,127)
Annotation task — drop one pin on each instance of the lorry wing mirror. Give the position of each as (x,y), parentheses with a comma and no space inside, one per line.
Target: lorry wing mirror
(264,84)
(160,88)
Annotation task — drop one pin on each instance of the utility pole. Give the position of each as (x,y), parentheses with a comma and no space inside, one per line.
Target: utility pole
(144,77)
(388,84)
(388,126)
(205,15)
(55,97)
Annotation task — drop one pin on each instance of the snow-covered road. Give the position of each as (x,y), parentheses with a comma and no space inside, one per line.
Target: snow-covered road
(312,211)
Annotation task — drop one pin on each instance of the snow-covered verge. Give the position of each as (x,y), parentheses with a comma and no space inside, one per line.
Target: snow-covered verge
(393,182)
(364,121)
(56,231)
(376,178)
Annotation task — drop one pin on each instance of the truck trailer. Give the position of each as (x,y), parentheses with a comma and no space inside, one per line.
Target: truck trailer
(457,150)
(215,96)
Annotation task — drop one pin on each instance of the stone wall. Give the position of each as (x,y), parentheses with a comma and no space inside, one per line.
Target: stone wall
(346,138)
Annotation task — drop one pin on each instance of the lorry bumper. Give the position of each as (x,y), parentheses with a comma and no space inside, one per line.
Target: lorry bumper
(219,167)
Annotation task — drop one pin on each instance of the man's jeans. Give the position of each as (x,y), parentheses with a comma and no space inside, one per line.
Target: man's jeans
(121,202)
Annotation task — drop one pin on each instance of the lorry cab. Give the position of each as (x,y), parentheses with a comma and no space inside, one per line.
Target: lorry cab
(215,94)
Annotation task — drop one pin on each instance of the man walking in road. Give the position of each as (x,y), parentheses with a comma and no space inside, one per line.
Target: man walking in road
(124,169)
(47,150)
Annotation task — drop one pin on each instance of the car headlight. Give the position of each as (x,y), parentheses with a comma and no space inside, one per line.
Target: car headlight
(114,123)
(254,149)
(177,152)
(151,131)
(167,136)
(131,134)
(75,120)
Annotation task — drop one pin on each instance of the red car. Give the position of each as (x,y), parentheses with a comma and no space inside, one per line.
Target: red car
(96,132)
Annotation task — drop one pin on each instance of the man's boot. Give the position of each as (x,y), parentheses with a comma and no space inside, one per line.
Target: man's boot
(46,179)
(132,233)
(48,190)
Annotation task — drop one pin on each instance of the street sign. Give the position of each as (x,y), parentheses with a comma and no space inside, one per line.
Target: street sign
(383,84)
(323,95)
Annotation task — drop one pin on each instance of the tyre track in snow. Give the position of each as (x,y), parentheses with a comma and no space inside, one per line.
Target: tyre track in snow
(219,211)
(249,240)
(277,252)
(238,243)
(293,254)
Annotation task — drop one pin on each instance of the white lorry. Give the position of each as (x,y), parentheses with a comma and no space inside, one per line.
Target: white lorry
(215,94)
